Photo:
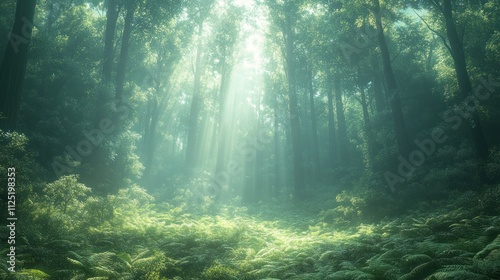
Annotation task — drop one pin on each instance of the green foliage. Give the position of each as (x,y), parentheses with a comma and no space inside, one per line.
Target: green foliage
(488,201)
(219,272)
(17,154)
(362,203)
(65,192)
(106,265)
(32,274)
(493,167)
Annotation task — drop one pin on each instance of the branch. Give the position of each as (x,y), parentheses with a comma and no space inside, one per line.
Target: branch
(434,31)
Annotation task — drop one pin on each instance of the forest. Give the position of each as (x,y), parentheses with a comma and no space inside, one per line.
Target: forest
(250,139)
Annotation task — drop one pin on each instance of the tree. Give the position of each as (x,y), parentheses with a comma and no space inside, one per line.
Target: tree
(227,35)
(285,17)
(13,67)
(112,13)
(393,90)
(124,50)
(203,9)
(463,78)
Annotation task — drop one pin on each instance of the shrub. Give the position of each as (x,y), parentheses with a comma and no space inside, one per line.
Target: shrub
(65,192)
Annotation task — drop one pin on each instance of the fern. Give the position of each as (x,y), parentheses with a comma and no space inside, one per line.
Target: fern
(421,271)
(34,273)
(456,275)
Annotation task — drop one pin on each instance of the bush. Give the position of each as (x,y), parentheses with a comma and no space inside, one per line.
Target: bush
(65,192)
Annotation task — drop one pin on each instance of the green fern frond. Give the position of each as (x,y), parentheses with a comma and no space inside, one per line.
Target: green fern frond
(140,255)
(76,256)
(37,274)
(417,259)
(421,271)
(456,267)
(456,275)
(144,261)
(105,271)
(77,263)
(79,277)
(102,259)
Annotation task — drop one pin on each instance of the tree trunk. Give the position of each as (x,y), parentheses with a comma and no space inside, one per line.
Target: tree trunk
(277,173)
(259,159)
(298,171)
(342,128)
(393,91)
(191,149)
(332,135)
(150,140)
(378,93)
(13,68)
(122,63)
(222,120)
(464,84)
(367,124)
(314,130)
(109,35)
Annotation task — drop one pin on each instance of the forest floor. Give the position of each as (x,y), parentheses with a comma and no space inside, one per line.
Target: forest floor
(144,240)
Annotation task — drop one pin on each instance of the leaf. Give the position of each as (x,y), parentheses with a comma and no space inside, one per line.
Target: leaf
(34,273)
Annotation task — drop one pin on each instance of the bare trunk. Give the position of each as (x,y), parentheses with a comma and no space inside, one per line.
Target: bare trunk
(122,63)
(367,125)
(191,149)
(13,68)
(464,84)
(332,134)
(392,89)
(342,128)
(277,173)
(109,35)
(314,131)
(298,171)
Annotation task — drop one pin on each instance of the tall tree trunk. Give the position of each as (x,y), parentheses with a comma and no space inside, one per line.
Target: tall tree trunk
(122,63)
(13,68)
(109,35)
(377,84)
(277,163)
(154,111)
(150,139)
(464,84)
(191,149)
(393,91)
(314,130)
(222,119)
(260,192)
(332,134)
(342,128)
(367,123)
(298,169)
(378,93)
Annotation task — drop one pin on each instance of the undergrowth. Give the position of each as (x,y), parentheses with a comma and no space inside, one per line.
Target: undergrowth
(71,234)
(65,231)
